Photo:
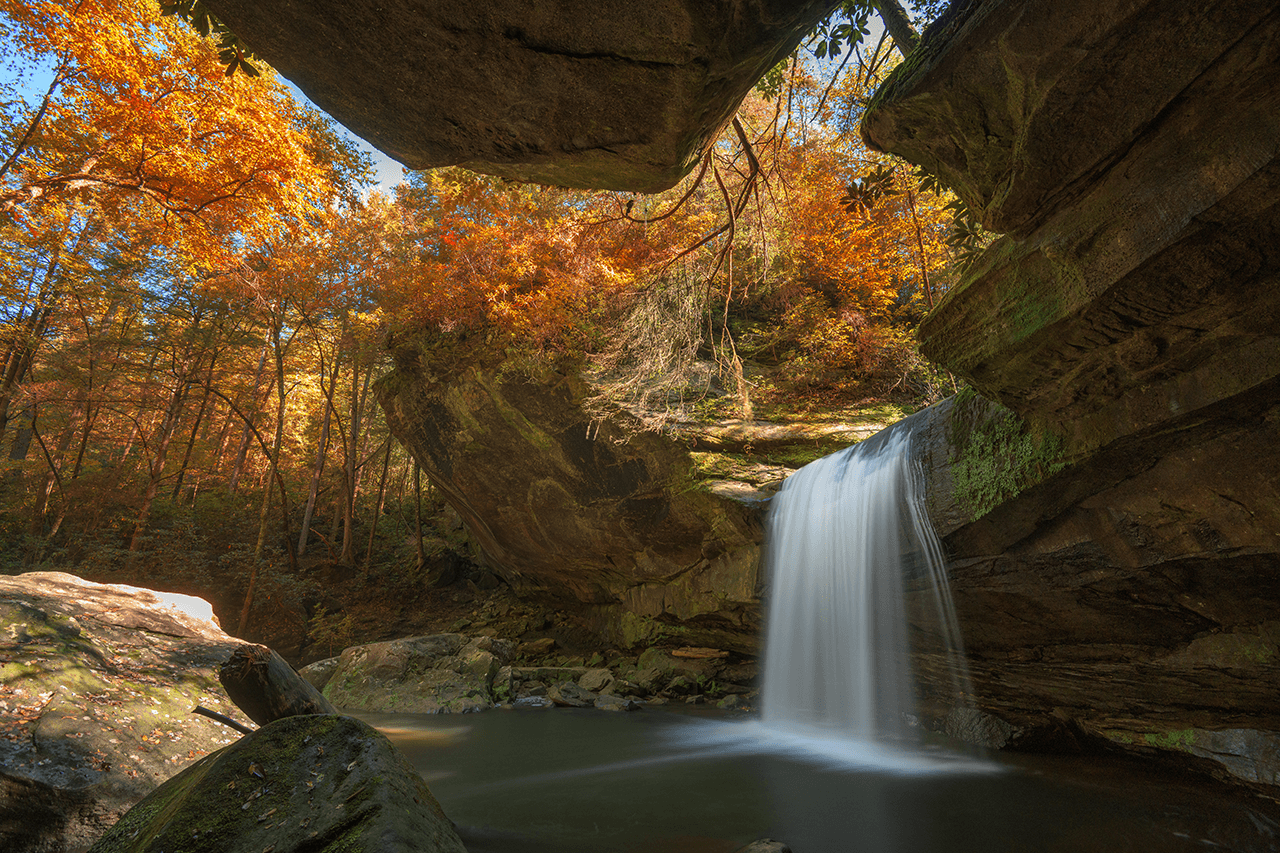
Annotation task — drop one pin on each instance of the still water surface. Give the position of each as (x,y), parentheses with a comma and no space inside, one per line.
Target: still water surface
(657,780)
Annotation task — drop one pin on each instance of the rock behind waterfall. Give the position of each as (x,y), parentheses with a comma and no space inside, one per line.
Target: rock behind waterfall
(317,783)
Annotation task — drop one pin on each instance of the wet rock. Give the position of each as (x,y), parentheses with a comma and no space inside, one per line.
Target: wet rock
(734,702)
(596,680)
(622,96)
(974,726)
(319,672)
(765,845)
(97,683)
(548,674)
(622,687)
(319,783)
(615,703)
(533,702)
(440,673)
(568,694)
(648,680)
(1245,753)
(682,685)
(540,647)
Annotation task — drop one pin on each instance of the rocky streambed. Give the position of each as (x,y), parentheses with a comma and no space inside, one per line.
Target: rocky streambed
(456,673)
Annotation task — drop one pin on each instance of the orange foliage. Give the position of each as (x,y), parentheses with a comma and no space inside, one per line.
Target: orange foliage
(141,115)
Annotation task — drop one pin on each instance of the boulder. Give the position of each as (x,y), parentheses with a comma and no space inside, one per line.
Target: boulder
(97,684)
(600,516)
(319,672)
(436,674)
(615,703)
(596,680)
(624,95)
(570,695)
(322,783)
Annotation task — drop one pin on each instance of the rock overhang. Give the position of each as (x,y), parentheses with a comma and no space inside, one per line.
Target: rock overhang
(620,96)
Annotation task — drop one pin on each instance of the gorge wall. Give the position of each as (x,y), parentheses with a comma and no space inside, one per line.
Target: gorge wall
(1127,586)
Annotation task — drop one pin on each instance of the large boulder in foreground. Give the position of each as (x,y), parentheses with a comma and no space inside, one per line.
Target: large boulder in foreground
(577,506)
(623,95)
(317,783)
(97,683)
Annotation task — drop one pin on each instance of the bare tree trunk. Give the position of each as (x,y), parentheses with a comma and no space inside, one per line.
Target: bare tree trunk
(377,510)
(322,453)
(195,428)
(896,21)
(156,470)
(417,515)
(273,477)
(243,452)
(353,468)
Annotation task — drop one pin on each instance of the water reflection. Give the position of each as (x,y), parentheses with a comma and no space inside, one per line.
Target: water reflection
(567,780)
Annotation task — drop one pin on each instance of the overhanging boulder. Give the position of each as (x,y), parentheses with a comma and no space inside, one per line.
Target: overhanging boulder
(623,95)
(576,506)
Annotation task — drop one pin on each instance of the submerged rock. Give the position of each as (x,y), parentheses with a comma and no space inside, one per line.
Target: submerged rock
(97,683)
(436,674)
(320,783)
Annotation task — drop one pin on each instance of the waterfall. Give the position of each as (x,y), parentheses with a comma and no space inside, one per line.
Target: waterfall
(847,536)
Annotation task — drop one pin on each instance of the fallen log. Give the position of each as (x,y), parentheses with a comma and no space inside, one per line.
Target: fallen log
(266,688)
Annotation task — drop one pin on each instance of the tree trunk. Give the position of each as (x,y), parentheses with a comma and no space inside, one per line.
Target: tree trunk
(195,429)
(417,516)
(899,26)
(156,470)
(266,688)
(358,394)
(377,509)
(318,472)
(243,452)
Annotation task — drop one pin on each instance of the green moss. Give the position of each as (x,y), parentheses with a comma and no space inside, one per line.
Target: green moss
(633,629)
(1171,740)
(995,456)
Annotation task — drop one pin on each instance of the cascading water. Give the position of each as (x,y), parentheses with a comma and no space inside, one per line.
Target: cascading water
(847,534)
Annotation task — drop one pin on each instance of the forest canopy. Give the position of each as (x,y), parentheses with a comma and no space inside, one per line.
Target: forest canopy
(198,280)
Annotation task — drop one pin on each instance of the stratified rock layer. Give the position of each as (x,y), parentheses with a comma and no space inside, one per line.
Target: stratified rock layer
(589,511)
(1130,150)
(623,95)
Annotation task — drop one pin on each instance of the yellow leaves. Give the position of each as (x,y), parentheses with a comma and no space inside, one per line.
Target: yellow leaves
(145,122)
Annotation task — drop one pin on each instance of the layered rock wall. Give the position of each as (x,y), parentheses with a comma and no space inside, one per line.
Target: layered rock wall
(1129,319)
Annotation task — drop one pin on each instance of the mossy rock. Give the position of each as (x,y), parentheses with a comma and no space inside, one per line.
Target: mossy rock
(321,783)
